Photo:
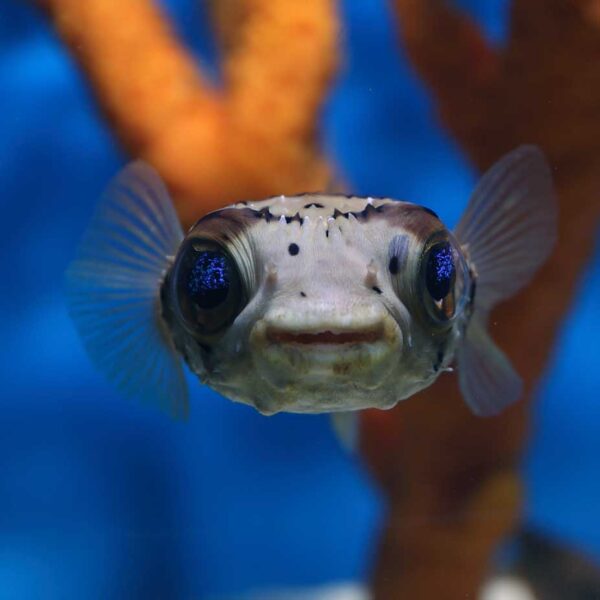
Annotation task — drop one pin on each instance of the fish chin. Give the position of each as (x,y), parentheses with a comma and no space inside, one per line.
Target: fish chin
(327,370)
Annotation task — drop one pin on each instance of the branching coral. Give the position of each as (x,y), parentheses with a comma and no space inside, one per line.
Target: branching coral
(254,137)
(451,477)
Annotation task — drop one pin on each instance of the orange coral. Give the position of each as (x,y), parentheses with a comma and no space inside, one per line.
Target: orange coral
(254,137)
(451,478)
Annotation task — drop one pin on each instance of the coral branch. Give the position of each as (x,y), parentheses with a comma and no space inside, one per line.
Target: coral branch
(275,78)
(255,137)
(451,478)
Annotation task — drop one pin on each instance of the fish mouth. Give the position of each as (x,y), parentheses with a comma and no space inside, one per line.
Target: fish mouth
(320,353)
(320,367)
(328,337)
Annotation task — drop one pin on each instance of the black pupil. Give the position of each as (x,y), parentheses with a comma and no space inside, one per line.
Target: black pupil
(440,271)
(209,280)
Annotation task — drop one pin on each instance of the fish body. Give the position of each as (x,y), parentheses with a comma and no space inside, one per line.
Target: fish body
(311,303)
(324,303)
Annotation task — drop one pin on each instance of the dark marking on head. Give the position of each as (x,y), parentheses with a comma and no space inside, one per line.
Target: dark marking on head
(368,210)
(224,224)
(293,249)
(376,289)
(338,213)
(398,253)
(313,205)
(295,217)
(327,233)
(412,218)
(303,294)
(429,211)
(265,213)
(362,215)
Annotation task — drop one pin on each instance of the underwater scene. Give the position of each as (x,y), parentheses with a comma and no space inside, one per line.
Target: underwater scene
(462,321)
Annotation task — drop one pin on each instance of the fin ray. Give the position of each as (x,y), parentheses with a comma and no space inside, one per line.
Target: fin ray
(507,232)
(113,288)
(509,226)
(487,380)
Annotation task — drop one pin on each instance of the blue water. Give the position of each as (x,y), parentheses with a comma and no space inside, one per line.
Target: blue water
(102,498)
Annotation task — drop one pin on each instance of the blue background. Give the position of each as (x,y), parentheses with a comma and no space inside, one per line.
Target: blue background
(104,498)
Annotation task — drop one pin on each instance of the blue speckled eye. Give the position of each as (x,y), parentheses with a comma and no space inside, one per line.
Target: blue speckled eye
(443,276)
(209,292)
(440,271)
(209,280)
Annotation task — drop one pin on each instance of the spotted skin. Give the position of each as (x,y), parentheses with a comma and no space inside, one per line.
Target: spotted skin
(331,317)
(311,303)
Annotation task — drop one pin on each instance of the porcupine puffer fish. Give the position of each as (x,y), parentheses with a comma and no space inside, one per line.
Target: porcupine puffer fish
(310,303)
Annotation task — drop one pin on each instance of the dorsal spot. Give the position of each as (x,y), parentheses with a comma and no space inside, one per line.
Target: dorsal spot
(338,213)
(293,249)
(295,217)
(376,289)
(264,213)
(393,266)
(303,294)
(369,209)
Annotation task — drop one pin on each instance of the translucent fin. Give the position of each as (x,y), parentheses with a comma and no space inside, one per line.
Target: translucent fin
(510,224)
(488,381)
(507,231)
(113,289)
(345,427)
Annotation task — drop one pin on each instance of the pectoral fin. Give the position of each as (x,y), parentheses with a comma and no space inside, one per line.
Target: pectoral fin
(507,232)
(488,381)
(113,288)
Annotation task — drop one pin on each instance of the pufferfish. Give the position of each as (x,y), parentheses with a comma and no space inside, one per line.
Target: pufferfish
(310,303)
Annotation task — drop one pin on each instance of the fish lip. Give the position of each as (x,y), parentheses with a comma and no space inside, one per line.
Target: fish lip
(324,337)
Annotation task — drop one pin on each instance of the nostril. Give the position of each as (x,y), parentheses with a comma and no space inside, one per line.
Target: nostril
(279,336)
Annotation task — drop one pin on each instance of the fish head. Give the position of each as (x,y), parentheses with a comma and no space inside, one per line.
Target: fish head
(318,303)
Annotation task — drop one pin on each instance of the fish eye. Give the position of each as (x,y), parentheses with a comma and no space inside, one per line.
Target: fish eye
(440,271)
(443,275)
(208,287)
